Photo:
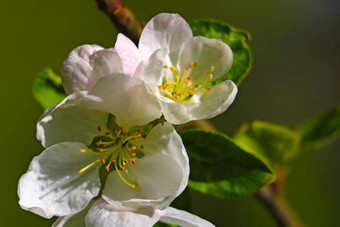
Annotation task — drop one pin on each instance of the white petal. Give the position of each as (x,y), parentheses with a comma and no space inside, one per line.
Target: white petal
(164,31)
(182,218)
(52,186)
(206,53)
(73,220)
(215,101)
(86,64)
(161,174)
(175,112)
(203,105)
(70,121)
(104,214)
(127,98)
(128,53)
(153,70)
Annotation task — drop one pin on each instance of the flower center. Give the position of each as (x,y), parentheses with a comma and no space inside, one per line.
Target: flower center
(179,86)
(116,150)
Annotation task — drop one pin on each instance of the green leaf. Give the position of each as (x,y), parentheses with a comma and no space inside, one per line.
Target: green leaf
(319,130)
(236,39)
(48,88)
(276,144)
(220,168)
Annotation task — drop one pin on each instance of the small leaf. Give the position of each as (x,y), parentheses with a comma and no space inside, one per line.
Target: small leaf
(235,39)
(319,130)
(276,144)
(48,88)
(220,168)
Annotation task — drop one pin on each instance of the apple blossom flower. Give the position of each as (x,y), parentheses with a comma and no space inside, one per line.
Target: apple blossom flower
(146,163)
(101,213)
(177,68)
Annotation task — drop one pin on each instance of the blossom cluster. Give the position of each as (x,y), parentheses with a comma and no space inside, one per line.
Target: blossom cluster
(117,121)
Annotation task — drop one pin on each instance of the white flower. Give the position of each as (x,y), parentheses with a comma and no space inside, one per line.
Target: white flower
(102,213)
(175,66)
(147,163)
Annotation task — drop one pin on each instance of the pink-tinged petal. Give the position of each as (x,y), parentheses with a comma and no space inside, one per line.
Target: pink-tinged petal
(182,218)
(205,53)
(105,214)
(52,185)
(129,54)
(164,31)
(86,64)
(127,98)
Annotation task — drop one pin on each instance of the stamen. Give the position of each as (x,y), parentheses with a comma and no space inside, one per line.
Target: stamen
(126,161)
(185,70)
(133,154)
(99,129)
(133,148)
(99,150)
(191,65)
(81,149)
(165,67)
(133,161)
(107,168)
(103,161)
(141,146)
(99,142)
(122,168)
(88,166)
(107,133)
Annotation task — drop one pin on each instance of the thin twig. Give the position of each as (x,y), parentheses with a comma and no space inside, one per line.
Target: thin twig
(122,17)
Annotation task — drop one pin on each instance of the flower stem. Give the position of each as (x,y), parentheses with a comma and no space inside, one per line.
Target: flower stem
(122,17)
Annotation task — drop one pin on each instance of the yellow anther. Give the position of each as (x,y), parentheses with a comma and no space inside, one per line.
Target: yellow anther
(81,149)
(191,93)
(133,154)
(177,77)
(99,142)
(107,168)
(191,65)
(189,77)
(139,135)
(185,70)
(172,68)
(126,161)
(133,148)
(212,68)
(103,161)
(165,67)
(112,160)
(122,168)
(99,149)
(171,90)
(133,161)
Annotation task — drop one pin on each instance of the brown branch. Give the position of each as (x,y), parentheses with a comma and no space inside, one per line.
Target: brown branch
(277,207)
(122,17)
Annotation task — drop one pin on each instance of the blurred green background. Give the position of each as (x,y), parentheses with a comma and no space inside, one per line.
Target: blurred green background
(295,75)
